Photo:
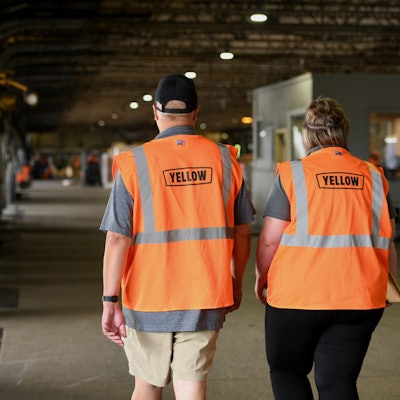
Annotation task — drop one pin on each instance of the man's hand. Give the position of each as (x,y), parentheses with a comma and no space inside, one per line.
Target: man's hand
(237,298)
(113,323)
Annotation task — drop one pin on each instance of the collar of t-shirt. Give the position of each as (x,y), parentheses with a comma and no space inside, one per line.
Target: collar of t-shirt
(316,148)
(176,130)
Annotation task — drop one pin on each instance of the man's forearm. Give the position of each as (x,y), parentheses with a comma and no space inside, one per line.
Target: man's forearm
(241,252)
(115,256)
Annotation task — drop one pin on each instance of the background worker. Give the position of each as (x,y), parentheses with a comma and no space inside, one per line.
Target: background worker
(323,257)
(178,240)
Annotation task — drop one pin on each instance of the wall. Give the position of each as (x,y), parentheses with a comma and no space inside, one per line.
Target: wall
(360,95)
(272,107)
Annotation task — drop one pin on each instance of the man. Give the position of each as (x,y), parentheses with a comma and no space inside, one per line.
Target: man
(178,240)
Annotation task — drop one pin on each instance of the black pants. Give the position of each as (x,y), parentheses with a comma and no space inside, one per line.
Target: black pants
(334,341)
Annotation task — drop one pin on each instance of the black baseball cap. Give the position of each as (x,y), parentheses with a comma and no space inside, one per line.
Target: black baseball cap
(176,87)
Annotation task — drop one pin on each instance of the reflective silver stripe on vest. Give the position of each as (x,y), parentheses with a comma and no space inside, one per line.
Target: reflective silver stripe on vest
(178,235)
(146,194)
(227,176)
(303,239)
(150,235)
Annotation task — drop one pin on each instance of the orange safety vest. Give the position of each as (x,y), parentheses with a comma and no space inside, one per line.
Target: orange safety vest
(334,252)
(24,175)
(184,189)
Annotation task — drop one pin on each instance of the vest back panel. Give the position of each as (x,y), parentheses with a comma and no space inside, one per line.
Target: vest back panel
(334,252)
(184,188)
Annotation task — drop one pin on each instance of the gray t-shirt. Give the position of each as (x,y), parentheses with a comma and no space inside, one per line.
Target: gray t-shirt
(118,218)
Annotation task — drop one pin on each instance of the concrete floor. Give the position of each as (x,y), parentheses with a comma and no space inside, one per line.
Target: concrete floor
(51,345)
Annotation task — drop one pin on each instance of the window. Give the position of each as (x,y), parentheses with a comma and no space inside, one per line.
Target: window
(384,142)
(298,149)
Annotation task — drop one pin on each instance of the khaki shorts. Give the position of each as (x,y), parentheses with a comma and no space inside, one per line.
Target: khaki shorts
(156,357)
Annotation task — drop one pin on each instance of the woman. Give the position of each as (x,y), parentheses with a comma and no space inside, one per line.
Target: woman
(322,261)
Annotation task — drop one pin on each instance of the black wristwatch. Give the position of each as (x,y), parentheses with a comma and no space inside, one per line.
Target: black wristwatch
(112,299)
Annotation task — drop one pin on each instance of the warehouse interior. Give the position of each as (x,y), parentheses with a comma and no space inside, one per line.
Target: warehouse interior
(76,86)
(87,60)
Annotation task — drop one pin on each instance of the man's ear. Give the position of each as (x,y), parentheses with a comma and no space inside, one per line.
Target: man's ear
(155,112)
(195,114)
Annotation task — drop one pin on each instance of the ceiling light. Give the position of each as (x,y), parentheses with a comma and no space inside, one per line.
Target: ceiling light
(247,120)
(133,105)
(147,97)
(258,17)
(226,55)
(114,115)
(190,74)
(31,98)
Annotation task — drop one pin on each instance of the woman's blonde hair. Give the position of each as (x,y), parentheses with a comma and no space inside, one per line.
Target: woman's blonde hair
(325,124)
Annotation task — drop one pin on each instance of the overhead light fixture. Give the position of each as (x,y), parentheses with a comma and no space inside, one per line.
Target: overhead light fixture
(133,105)
(226,55)
(147,97)
(247,120)
(31,98)
(258,17)
(190,74)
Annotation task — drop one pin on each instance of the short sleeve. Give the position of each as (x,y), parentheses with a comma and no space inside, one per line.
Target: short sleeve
(244,209)
(118,215)
(278,205)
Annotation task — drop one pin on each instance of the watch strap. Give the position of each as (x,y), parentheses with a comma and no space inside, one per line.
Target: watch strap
(112,299)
